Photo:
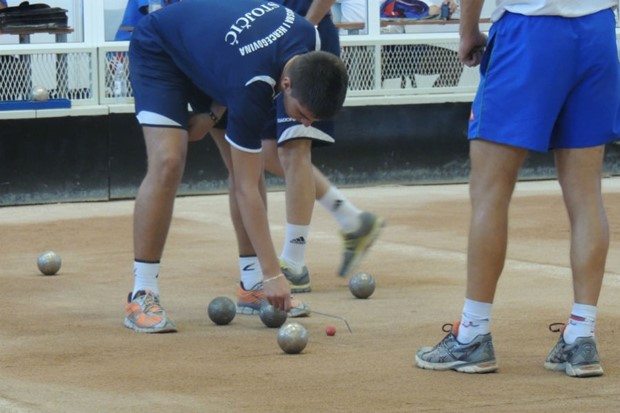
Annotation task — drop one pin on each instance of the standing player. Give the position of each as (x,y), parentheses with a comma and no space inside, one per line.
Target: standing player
(239,54)
(289,156)
(525,103)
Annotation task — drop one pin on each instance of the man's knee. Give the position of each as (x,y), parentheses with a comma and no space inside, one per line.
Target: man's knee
(294,153)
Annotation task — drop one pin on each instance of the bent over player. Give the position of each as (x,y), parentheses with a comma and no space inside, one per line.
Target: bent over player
(525,103)
(287,148)
(215,54)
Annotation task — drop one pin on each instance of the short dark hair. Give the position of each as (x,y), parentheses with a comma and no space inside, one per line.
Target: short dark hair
(319,81)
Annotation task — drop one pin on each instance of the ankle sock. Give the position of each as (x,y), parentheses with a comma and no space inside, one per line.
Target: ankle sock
(294,251)
(581,323)
(145,276)
(475,320)
(250,271)
(343,211)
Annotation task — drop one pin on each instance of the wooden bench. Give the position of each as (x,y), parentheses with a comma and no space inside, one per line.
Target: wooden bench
(356,27)
(400,21)
(351,27)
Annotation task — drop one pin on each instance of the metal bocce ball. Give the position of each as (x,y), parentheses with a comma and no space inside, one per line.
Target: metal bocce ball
(271,316)
(222,310)
(292,338)
(362,285)
(49,263)
(40,94)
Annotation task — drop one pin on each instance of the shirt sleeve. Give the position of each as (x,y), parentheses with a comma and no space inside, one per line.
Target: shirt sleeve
(248,111)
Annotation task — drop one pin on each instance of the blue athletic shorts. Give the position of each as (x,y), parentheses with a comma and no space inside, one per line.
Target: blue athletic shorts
(161,91)
(549,82)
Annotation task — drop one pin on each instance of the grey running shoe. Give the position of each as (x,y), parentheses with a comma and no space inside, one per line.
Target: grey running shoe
(144,314)
(579,359)
(250,301)
(356,243)
(300,283)
(475,357)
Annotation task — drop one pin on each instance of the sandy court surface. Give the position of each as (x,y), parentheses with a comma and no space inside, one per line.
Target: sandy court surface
(63,347)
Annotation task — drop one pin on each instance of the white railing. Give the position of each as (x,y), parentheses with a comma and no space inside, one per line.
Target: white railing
(385,69)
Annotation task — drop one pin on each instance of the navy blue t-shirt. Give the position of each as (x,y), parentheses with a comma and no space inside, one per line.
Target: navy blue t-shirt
(233,51)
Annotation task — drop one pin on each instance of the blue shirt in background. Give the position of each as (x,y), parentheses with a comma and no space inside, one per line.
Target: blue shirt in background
(132,16)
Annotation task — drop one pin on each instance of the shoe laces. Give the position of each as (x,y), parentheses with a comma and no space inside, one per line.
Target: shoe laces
(557,327)
(256,287)
(149,300)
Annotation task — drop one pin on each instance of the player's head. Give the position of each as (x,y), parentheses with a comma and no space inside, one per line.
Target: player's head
(318,83)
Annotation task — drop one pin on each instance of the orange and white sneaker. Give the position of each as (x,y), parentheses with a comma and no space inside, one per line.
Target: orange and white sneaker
(144,314)
(250,301)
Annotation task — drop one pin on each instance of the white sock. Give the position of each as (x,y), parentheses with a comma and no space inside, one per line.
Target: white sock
(145,277)
(474,320)
(343,211)
(294,251)
(581,323)
(250,270)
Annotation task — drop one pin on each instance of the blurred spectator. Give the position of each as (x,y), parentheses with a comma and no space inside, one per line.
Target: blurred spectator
(135,10)
(406,60)
(352,11)
(417,9)
(133,13)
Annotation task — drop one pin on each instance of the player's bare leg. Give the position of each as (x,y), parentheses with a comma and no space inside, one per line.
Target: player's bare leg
(494,171)
(296,160)
(359,229)
(166,153)
(468,346)
(579,173)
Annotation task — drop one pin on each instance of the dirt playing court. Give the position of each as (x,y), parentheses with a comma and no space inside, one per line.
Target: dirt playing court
(63,347)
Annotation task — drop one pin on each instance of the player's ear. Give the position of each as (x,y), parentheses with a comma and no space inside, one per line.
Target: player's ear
(285,83)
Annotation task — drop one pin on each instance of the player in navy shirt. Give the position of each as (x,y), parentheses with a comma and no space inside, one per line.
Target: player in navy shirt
(304,184)
(218,55)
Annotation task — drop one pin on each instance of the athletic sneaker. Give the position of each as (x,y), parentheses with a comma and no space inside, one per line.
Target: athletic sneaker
(475,357)
(356,243)
(579,359)
(250,301)
(300,283)
(144,314)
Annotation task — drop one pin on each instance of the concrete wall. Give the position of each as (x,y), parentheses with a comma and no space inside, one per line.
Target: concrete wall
(103,157)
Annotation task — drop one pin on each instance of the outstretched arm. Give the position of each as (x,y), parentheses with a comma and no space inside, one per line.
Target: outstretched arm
(247,169)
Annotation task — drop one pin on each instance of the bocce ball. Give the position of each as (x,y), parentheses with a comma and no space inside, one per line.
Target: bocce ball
(362,285)
(271,316)
(292,338)
(49,263)
(40,94)
(222,310)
